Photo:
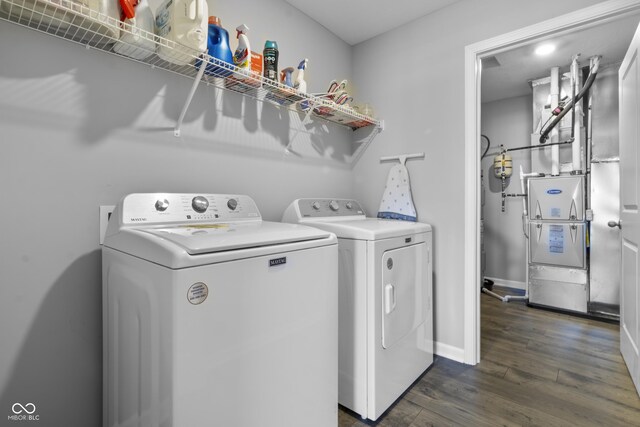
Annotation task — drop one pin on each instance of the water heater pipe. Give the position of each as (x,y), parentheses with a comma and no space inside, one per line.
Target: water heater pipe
(554,136)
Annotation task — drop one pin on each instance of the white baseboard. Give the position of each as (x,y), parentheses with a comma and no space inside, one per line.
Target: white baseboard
(508,283)
(449,352)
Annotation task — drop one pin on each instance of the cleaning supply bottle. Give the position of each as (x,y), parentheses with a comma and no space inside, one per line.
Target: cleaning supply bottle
(270,55)
(218,47)
(135,41)
(300,82)
(285,76)
(242,56)
(183,22)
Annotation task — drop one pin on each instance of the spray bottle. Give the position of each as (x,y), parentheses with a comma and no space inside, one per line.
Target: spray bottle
(300,83)
(285,76)
(242,56)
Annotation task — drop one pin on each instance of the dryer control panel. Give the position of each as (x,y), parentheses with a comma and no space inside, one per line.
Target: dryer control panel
(164,208)
(322,208)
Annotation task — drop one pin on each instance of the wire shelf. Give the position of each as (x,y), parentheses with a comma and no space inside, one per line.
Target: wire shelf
(73,21)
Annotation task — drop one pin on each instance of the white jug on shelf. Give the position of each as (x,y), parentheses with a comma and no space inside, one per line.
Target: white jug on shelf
(99,21)
(183,23)
(137,34)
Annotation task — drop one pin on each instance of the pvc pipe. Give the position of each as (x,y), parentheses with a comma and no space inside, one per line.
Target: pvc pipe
(569,106)
(554,137)
(576,158)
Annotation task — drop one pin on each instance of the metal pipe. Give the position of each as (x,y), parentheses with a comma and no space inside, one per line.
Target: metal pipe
(555,135)
(533,147)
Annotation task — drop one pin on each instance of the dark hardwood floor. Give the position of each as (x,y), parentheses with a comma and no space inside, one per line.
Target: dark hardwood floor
(537,368)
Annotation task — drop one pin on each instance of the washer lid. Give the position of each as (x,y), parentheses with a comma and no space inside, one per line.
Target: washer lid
(206,238)
(189,245)
(370,228)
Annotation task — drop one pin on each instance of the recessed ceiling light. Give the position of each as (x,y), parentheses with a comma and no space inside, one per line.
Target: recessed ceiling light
(545,49)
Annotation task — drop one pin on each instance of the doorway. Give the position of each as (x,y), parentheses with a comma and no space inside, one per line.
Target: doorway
(586,18)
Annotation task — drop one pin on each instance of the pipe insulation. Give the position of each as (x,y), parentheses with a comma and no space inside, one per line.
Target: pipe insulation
(544,135)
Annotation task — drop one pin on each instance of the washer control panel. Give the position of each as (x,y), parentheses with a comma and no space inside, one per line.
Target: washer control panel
(151,208)
(319,208)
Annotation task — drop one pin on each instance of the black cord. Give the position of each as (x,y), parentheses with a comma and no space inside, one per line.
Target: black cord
(488,146)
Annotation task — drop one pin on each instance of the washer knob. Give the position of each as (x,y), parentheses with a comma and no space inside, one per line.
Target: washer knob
(162,205)
(316,206)
(333,205)
(232,204)
(349,205)
(200,204)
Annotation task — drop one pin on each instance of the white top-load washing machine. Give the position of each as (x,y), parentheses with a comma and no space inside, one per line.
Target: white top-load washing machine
(385,301)
(215,317)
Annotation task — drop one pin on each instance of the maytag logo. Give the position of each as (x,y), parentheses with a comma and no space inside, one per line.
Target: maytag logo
(138,219)
(554,191)
(277,261)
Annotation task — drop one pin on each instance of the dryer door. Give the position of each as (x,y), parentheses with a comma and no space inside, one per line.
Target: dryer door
(404,296)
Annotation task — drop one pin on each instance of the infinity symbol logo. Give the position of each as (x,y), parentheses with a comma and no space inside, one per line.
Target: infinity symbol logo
(29,408)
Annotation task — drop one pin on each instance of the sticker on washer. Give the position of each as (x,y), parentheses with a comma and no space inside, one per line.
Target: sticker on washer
(197,293)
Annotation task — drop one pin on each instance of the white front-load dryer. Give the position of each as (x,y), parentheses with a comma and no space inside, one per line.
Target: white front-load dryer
(213,317)
(385,301)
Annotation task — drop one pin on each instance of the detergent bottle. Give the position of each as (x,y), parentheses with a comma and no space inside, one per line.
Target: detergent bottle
(270,55)
(218,47)
(183,22)
(242,56)
(136,38)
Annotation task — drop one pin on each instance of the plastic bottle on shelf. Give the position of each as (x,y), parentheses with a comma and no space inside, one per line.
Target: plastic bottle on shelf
(242,56)
(300,82)
(136,38)
(185,23)
(270,55)
(218,47)
(285,76)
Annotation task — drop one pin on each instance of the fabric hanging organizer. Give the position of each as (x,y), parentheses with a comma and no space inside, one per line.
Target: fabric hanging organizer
(397,202)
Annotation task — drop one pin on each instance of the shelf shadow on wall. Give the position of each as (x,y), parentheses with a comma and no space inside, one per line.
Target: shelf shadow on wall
(103,95)
(62,347)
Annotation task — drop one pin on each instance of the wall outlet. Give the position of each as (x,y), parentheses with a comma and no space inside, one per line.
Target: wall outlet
(105,214)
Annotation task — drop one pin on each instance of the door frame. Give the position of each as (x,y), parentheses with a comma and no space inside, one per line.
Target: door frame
(583,18)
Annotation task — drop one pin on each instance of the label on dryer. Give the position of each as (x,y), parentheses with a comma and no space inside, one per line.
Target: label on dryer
(197,293)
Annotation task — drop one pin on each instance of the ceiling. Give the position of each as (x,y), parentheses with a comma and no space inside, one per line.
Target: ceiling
(520,65)
(355,21)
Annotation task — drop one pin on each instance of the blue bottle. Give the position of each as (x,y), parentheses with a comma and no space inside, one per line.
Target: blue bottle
(218,47)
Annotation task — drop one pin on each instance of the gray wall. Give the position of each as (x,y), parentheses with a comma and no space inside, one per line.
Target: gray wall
(506,122)
(81,129)
(414,76)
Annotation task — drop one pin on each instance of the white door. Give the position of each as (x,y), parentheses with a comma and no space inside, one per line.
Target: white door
(629,215)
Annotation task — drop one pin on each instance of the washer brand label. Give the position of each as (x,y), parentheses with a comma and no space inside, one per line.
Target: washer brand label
(138,219)
(277,261)
(554,191)
(197,293)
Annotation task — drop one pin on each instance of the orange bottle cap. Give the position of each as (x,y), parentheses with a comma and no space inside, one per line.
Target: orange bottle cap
(214,20)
